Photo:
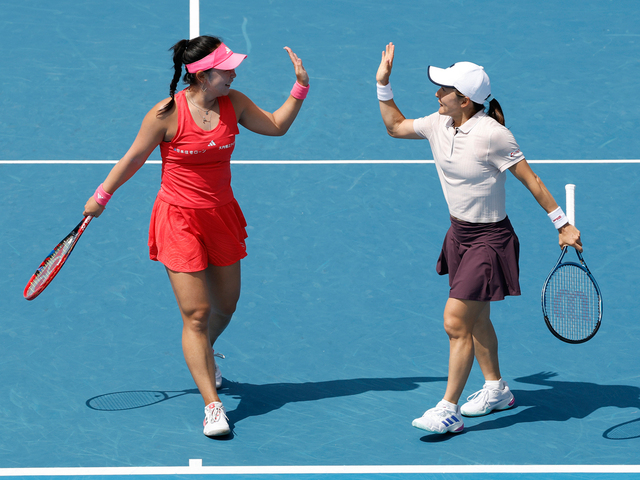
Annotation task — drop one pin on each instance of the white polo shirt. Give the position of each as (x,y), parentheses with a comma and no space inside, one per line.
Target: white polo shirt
(471,161)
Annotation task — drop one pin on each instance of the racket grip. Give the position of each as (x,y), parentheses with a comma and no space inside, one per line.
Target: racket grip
(570,190)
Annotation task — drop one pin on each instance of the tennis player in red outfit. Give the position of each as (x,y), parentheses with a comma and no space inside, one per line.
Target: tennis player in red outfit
(197,229)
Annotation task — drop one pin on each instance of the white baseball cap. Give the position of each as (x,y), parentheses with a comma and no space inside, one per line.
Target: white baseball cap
(468,78)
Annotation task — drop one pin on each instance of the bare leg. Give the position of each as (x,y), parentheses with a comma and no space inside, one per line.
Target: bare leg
(224,288)
(467,324)
(485,344)
(207,301)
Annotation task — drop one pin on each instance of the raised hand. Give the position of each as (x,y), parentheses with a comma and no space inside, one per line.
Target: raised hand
(301,74)
(386,64)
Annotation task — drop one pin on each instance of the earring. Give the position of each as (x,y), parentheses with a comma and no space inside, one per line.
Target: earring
(203,88)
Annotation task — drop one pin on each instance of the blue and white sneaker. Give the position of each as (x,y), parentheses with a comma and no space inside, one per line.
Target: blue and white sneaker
(487,400)
(440,419)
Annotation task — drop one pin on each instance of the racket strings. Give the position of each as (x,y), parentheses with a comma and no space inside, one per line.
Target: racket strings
(53,260)
(573,306)
(50,266)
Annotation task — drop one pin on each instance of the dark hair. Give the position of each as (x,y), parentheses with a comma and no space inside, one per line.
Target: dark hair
(495,110)
(185,52)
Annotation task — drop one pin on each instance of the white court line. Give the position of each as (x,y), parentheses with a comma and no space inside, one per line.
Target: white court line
(297,162)
(194,18)
(195,468)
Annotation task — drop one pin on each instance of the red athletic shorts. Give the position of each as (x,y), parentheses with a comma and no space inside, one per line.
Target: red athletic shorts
(189,239)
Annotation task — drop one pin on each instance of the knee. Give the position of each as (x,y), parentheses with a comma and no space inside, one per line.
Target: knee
(197,318)
(225,307)
(455,327)
(225,311)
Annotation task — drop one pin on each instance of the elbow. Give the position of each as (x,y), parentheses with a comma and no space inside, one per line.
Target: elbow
(395,127)
(271,132)
(279,130)
(392,132)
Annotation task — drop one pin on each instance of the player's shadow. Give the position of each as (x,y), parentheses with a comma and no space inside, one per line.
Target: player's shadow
(559,401)
(258,400)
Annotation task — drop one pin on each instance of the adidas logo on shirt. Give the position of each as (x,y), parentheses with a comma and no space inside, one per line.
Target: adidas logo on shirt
(212,144)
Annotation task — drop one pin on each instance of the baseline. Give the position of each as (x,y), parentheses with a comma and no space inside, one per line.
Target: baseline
(195,468)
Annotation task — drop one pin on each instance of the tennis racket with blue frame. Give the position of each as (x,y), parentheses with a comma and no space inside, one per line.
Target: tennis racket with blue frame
(571,298)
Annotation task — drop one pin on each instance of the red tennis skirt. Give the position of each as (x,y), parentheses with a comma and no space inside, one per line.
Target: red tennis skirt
(481,260)
(189,239)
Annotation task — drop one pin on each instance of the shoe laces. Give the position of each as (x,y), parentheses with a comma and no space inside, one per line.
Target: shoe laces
(212,414)
(440,411)
(481,396)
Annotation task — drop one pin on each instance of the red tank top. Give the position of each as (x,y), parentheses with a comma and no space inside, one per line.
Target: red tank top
(196,168)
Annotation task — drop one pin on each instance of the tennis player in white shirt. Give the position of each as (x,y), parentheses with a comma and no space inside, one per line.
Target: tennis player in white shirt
(472,150)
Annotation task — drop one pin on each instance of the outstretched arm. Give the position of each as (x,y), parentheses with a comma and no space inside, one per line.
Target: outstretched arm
(568,235)
(397,125)
(277,123)
(151,133)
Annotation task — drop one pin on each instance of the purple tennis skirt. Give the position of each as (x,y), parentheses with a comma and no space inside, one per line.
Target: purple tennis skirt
(481,260)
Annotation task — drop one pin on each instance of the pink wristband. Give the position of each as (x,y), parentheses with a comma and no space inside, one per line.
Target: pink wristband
(299,92)
(101,197)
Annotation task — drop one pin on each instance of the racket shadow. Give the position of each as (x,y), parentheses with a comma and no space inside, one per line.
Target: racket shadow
(561,401)
(625,431)
(133,399)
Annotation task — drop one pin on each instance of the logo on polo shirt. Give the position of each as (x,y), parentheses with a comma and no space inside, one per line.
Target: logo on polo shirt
(212,144)
(513,154)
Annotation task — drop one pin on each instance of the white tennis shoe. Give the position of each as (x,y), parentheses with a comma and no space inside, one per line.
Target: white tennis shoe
(440,419)
(487,400)
(215,420)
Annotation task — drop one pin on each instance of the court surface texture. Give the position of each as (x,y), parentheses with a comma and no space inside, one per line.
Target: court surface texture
(337,343)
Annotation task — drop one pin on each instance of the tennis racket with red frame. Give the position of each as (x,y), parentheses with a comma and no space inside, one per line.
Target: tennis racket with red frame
(51,265)
(571,299)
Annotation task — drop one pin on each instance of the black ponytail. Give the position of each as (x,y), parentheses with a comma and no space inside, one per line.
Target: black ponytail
(495,111)
(185,52)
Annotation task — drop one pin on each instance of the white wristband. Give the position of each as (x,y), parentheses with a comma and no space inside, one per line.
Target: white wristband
(384,92)
(558,218)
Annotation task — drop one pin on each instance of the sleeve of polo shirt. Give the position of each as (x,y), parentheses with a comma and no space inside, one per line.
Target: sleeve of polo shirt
(504,151)
(425,126)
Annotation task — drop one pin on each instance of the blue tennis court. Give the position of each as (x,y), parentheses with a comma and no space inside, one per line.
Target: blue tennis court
(337,343)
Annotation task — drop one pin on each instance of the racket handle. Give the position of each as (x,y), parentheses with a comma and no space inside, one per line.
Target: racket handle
(571,203)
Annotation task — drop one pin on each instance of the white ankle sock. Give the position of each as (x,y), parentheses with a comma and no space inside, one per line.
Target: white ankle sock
(494,384)
(450,406)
